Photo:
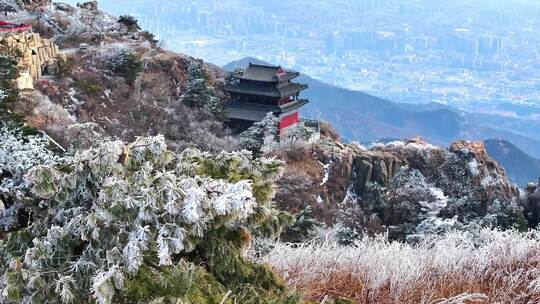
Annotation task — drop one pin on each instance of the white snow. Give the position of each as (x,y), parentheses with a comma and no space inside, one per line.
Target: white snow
(441,201)
(350,196)
(71,93)
(473,167)
(326,168)
(491,181)
(401,145)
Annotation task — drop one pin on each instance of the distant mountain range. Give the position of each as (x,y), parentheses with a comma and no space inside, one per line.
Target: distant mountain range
(520,167)
(358,116)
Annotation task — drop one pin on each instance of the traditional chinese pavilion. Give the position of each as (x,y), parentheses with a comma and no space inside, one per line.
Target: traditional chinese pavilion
(261,89)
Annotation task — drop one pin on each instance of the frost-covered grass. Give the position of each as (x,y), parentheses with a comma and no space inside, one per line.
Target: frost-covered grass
(460,267)
(404,146)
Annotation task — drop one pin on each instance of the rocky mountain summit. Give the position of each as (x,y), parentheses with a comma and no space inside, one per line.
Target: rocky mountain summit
(403,187)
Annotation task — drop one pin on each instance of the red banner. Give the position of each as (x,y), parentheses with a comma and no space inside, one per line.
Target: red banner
(12,27)
(289,120)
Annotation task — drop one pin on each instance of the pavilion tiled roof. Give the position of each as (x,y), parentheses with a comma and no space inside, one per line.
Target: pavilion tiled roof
(266,73)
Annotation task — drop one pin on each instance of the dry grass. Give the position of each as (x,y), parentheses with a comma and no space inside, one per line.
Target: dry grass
(489,267)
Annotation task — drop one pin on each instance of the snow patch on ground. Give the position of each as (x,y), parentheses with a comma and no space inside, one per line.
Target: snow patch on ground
(401,145)
(350,196)
(326,168)
(473,167)
(435,207)
(81,20)
(490,180)
(72,93)
(359,146)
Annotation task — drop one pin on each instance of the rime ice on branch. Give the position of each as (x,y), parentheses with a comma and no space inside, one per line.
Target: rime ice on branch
(109,215)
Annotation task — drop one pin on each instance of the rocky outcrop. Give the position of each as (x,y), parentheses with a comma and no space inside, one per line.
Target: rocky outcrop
(372,167)
(483,167)
(404,187)
(37,55)
(478,152)
(530,202)
(90,5)
(31,4)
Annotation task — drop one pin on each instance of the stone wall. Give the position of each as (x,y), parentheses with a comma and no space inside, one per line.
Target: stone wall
(29,4)
(37,54)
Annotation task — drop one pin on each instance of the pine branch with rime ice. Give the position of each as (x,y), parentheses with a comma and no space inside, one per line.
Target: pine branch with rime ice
(109,213)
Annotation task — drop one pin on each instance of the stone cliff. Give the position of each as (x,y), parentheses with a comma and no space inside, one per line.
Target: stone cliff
(372,167)
(36,55)
(403,187)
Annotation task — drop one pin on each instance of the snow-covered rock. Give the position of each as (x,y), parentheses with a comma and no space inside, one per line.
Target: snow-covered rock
(400,185)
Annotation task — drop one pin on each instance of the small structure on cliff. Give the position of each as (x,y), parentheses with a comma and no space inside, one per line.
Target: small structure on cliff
(90,5)
(35,55)
(262,89)
(7,28)
(31,4)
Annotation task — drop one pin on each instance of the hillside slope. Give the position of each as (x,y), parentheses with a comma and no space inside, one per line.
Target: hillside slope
(152,221)
(120,84)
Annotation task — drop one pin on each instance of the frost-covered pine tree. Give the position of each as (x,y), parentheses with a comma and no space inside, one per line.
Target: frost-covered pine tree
(18,154)
(198,92)
(8,73)
(137,223)
(260,134)
(126,64)
(298,133)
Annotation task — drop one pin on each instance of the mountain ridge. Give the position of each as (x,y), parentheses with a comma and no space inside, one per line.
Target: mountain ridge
(520,167)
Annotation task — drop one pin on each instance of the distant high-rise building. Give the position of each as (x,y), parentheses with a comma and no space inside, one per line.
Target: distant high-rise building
(331,42)
(203,19)
(489,45)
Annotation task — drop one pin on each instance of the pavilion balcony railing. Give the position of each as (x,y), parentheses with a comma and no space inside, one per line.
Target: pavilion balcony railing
(311,122)
(267,107)
(294,104)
